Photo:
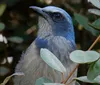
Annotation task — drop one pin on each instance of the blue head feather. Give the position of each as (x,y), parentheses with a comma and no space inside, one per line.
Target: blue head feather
(54,22)
(61,27)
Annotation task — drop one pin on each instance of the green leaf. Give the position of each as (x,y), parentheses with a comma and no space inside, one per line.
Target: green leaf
(96,24)
(84,22)
(42,80)
(15,39)
(2,8)
(3,70)
(77,83)
(2,26)
(81,19)
(94,70)
(94,11)
(53,84)
(86,80)
(52,60)
(9,77)
(82,57)
(95,27)
(96,3)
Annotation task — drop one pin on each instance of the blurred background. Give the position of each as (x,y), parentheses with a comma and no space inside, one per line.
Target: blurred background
(18,28)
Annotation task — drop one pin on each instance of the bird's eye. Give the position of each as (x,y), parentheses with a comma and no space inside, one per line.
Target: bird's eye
(57,16)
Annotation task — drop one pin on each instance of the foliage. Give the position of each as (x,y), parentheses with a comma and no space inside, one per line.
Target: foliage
(85,79)
(16,27)
(81,57)
(78,56)
(42,80)
(52,60)
(94,70)
(94,11)
(15,39)
(89,57)
(53,84)
(2,26)
(2,8)
(9,77)
(96,24)
(96,3)
(84,22)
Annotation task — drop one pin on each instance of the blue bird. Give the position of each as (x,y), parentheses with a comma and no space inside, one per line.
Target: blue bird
(56,33)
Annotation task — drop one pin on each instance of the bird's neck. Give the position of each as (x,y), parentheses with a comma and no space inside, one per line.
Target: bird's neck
(65,30)
(70,35)
(45,29)
(46,32)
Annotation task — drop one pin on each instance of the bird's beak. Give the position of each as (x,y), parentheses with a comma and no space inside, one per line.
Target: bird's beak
(38,10)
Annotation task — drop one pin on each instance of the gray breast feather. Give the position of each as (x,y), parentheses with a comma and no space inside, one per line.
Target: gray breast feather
(61,48)
(34,67)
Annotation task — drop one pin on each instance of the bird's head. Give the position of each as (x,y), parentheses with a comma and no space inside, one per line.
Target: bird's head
(54,21)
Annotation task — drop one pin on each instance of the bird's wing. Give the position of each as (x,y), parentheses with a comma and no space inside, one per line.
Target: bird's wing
(33,67)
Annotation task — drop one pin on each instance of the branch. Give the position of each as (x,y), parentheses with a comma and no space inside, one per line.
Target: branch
(70,82)
(78,64)
(71,73)
(94,43)
(62,78)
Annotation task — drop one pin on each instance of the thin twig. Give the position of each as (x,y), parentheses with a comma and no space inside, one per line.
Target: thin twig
(70,82)
(94,43)
(78,64)
(71,73)
(62,77)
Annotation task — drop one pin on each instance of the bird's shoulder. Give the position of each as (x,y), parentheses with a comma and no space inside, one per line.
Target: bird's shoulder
(62,42)
(61,48)
(54,40)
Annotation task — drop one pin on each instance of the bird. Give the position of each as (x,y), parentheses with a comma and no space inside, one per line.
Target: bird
(55,33)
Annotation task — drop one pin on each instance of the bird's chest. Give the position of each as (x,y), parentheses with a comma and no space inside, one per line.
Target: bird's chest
(57,45)
(60,47)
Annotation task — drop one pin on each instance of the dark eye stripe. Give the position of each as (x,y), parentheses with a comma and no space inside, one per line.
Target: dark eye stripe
(56,16)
